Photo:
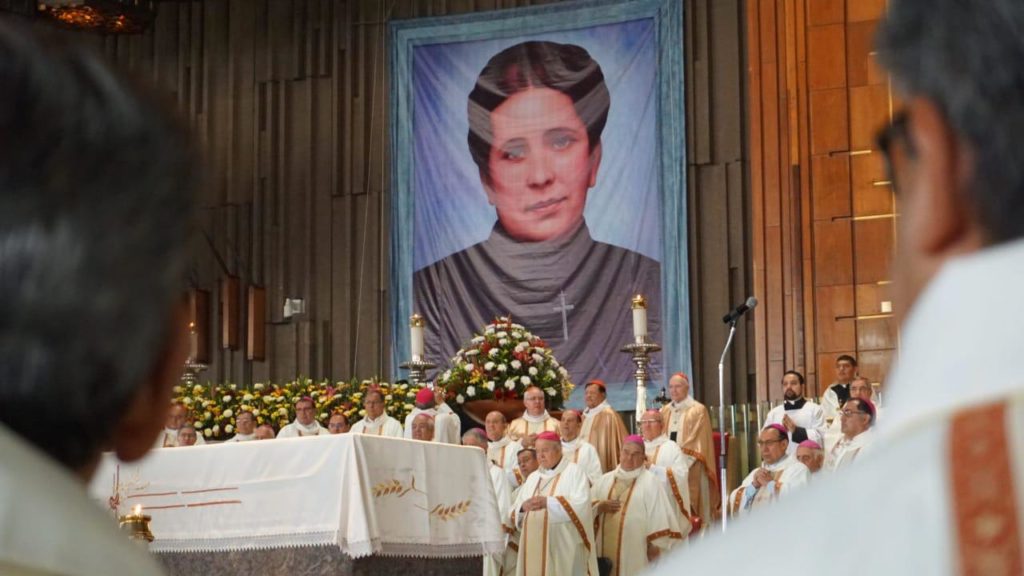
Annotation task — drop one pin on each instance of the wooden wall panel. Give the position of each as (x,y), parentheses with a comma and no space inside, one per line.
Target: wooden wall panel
(835,215)
(831,194)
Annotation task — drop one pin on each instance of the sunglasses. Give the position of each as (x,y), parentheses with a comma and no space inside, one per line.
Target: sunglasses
(887,138)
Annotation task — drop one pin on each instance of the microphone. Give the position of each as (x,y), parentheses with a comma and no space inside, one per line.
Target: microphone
(740,310)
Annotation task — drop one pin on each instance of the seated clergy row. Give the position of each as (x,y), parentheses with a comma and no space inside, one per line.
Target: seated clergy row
(793,443)
(178,432)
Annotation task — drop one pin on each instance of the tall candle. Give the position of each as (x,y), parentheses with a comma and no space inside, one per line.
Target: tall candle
(193,341)
(416,325)
(639,318)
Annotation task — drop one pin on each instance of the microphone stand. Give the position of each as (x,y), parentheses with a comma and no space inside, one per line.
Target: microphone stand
(721,425)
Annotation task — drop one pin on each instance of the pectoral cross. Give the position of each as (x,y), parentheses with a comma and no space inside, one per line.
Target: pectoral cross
(564,309)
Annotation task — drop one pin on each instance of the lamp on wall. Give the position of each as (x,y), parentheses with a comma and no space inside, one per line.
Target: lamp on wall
(104,16)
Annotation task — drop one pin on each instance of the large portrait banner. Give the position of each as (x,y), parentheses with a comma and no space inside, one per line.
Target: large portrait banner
(538,173)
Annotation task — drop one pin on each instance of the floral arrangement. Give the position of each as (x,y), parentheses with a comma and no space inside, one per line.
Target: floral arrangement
(501,363)
(213,407)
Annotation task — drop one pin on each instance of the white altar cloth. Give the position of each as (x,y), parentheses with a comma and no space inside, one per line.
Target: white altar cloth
(365,494)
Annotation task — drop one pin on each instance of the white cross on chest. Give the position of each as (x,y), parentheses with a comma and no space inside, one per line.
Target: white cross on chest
(564,309)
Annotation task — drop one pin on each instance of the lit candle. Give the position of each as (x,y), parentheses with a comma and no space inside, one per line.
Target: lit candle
(639,318)
(416,325)
(193,341)
(137,510)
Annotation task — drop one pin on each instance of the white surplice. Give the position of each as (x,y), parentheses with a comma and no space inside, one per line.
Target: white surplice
(788,474)
(557,540)
(644,519)
(383,425)
(169,438)
(503,493)
(810,417)
(242,437)
(846,451)
(584,455)
(959,357)
(446,425)
(504,453)
(672,467)
(49,525)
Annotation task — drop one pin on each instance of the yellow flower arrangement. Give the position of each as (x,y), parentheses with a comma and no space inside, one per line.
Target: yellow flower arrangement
(213,407)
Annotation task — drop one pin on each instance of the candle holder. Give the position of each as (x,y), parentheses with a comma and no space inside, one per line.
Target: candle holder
(417,370)
(641,352)
(192,371)
(136,525)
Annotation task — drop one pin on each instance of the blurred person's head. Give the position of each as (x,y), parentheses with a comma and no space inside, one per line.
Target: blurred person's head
(953,150)
(792,385)
(373,403)
(811,454)
(651,425)
(533,399)
(678,387)
(96,195)
(846,368)
(176,416)
(337,424)
(570,425)
(423,427)
(549,450)
(495,425)
(305,411)
(187,435)
(527,460)
(773,442)
(475,437)
(861,388)
(595,393)
(265,432)
(245,423)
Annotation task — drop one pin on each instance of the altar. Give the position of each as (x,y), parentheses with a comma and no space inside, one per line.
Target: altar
(326,504)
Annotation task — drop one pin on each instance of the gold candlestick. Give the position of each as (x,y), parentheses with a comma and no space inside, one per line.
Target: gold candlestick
(136,525)
(641,350)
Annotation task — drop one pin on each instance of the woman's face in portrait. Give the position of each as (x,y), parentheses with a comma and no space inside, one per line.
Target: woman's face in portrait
(540,165)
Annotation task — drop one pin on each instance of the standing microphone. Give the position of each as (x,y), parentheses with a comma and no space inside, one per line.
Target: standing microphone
(740,310)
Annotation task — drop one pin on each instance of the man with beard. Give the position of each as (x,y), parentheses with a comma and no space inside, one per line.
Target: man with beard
(802,418)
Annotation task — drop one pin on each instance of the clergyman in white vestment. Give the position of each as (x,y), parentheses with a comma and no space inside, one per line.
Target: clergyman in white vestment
(553,516)
(376,422)
(577,450)
(779,474)
(802,418)
(666,461)
(305,423)
(635,520)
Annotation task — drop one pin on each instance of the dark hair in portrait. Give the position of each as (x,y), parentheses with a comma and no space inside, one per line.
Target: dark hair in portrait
(566,68)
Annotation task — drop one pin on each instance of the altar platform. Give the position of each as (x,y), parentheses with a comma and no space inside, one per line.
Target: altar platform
(346,504)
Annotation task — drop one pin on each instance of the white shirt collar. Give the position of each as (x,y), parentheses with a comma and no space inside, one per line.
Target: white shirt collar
(314,427)
(958,337)
(536,419)
(685,403)
(499,443)
(656,442)
(596,409)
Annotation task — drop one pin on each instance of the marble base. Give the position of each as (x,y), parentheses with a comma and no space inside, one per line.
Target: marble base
(312,562)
